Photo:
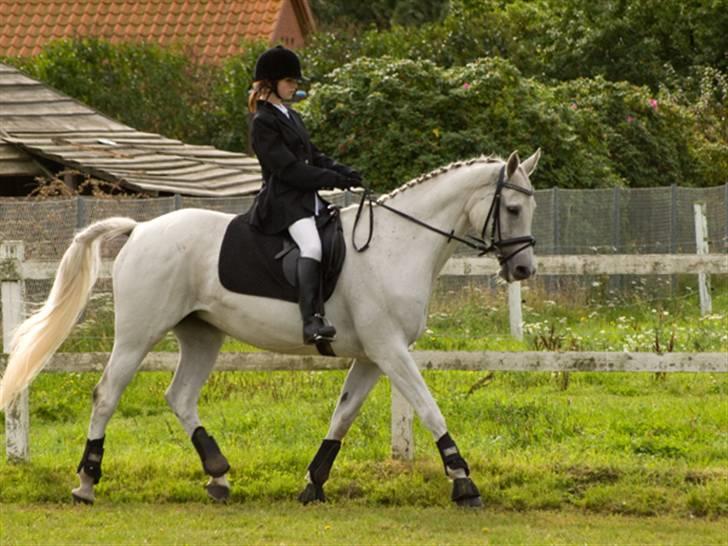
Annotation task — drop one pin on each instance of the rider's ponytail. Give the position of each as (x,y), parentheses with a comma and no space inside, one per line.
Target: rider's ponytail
(261,89)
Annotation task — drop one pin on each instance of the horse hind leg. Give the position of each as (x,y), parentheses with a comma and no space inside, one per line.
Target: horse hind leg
(126,357)
(199,346)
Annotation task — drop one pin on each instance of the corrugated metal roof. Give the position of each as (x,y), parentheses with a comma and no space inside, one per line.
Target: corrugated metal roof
(41,122)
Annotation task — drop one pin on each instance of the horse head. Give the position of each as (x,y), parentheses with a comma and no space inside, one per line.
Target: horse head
(503,211)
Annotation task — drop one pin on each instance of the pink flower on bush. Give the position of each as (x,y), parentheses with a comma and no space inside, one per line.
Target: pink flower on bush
(653,104)
(466,86)
(630,119)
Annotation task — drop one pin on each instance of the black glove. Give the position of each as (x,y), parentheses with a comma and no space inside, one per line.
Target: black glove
(355,175)
(355,181)
(346,182)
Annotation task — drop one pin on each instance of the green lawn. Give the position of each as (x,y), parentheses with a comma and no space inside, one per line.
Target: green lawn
(610,443)
(640,456)
(339,523)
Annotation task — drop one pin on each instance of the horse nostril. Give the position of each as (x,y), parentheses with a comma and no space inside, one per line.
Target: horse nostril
(522,272)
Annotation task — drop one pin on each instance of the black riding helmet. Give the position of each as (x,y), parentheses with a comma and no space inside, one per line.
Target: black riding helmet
(277,63)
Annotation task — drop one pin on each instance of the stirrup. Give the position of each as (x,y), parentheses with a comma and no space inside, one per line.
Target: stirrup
(324,331)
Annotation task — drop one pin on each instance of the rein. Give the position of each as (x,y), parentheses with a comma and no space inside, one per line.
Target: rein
(479,244)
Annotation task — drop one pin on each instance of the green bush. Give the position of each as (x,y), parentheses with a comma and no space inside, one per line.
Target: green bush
(142,85)
(640,41)
(395,119)
(398,103)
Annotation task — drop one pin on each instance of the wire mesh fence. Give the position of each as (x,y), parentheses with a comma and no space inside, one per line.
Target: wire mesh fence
(602,221)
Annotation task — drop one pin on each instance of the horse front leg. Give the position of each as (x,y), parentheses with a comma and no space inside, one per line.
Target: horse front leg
(360,380)
(404,374)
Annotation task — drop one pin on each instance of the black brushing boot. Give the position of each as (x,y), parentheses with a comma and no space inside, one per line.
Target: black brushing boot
(315,328)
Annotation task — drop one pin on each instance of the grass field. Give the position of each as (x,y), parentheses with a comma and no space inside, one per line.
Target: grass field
(338,523)
(644,457)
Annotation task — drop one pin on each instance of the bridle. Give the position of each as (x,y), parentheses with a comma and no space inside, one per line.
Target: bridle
(496,242)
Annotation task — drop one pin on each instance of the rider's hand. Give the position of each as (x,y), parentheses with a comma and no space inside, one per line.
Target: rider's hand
(346,182)
(355,181)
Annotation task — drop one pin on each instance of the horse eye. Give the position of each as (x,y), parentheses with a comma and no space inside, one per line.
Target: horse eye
(514,209)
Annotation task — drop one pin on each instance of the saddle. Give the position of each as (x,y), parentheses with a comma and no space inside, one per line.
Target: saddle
(257,264)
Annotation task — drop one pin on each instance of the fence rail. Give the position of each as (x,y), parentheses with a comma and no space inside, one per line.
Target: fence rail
(525,361)
(15,270)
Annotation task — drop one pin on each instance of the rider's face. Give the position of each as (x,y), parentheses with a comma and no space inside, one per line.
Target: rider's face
(287,88)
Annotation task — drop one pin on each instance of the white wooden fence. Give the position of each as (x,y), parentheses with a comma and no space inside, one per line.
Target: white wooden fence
(14,271)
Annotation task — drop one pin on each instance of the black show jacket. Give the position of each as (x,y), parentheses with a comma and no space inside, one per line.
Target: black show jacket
(293,170)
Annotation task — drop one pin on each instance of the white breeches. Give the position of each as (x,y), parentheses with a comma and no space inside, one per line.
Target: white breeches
(306,236)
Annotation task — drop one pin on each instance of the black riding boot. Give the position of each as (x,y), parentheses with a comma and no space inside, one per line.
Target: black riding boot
(315,328)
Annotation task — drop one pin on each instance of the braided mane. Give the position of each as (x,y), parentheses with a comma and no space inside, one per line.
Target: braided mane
(437,172)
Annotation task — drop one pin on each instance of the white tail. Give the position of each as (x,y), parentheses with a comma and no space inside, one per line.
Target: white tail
(36,339)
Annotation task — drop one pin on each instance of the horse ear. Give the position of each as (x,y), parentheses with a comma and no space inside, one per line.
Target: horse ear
(512,165)
(530,164)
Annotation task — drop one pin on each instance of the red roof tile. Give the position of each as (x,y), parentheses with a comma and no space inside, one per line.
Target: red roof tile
(214,28)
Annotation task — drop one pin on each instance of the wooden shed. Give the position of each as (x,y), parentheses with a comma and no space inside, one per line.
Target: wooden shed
(43,132)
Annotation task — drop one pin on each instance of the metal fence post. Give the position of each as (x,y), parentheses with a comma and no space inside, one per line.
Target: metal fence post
(555,283)
(701,247)
(615,282)
(673,232)
(557,220)
(725,238)
(616,220)
(17,415)
(403,440)
(80,213)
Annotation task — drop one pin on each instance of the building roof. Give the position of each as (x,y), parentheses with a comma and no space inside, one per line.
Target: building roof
(213,29)
(40,125)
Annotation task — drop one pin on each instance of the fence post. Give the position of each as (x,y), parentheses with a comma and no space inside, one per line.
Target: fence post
(557,220)
(615,281)
(673,232)
(80,213)
(403,440)
(701,247)
(515,314)
(616,220)
(725,204)
(17,415)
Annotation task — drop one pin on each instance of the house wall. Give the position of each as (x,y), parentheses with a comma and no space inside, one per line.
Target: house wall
(288,30)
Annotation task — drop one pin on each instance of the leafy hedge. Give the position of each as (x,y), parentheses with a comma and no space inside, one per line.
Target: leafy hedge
(490,77)
(640,41)
(394,119)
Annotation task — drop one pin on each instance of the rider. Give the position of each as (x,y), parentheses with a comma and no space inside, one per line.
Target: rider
(293,170)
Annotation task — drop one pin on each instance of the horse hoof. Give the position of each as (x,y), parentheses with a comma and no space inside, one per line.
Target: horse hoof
(218,493)
(472,502)
(78,499)
(465,493)
(312,493)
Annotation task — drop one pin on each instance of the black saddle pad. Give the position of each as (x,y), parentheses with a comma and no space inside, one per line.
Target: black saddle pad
(265,265)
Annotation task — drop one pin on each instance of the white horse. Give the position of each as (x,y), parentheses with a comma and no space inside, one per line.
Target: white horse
(165,279)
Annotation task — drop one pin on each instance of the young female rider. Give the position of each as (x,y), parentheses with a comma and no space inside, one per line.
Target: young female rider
(293,170)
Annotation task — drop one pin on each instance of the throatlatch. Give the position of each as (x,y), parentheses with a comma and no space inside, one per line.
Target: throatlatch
(318,471)
(91,459)
(214,462)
